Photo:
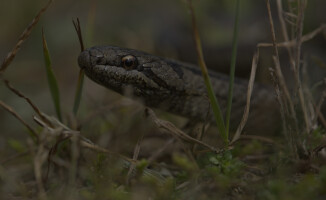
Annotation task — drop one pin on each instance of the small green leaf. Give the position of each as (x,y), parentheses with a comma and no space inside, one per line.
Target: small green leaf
(184,163)
(16,145)
(53,85)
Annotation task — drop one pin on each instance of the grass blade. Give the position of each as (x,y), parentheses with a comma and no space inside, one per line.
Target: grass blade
(214,103)
(81,72)
(53,85)
(232,67)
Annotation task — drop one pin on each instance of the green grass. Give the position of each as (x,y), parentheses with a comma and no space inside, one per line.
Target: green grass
(53,85)
(222,125)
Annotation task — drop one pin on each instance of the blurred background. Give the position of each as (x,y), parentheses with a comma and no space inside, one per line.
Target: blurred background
(160,27)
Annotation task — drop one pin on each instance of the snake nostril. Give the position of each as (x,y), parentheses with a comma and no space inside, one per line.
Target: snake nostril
(100,60)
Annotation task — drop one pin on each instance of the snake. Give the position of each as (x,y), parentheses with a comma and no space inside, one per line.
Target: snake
(178,87)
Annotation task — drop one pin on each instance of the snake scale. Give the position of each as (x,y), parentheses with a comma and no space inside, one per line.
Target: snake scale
(178,87)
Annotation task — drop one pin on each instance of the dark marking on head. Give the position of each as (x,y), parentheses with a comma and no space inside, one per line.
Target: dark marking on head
(176,67)
(150,74)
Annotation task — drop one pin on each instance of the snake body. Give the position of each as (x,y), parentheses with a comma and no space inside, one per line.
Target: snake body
(177,87)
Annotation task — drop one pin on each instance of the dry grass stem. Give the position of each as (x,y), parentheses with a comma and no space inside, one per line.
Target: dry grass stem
(289,14)
(135,157)
(201,133)
(11,55)
(59,129)
(288,103)
(284,31)
(64,131)
(40,157)
(16,115)
(288,133)
(170,128)
(249,92)
(79,33)
(296,69)
(292,43)
(281,19)
(159,151)
(295,60)
(35,108)
(280,78)
(295,64)
(276,54)
(281,103)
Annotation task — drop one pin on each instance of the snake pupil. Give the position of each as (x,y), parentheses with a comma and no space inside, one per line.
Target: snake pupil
(129,62)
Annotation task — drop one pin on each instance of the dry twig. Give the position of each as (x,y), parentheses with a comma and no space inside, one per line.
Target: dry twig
(17,116)
(170,128)
(292,43)
(135,157)
(35,108)
(11,55)
(249,92)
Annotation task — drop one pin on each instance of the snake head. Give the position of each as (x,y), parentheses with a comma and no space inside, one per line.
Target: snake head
(120,68)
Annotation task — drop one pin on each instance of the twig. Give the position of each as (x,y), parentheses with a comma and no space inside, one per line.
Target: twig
(156,153)
(79,33)
(276,60)
(66,131)
(282,22)
(40,156)
(201,133)
(287,133)
(135,157)
(292,43)
(170,128)
(11,55)
(249,92)
(35,108)
(10,110)
(284,31)
(297,63)
(279,73)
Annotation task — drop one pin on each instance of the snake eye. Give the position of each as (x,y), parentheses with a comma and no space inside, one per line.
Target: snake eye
(129,62)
